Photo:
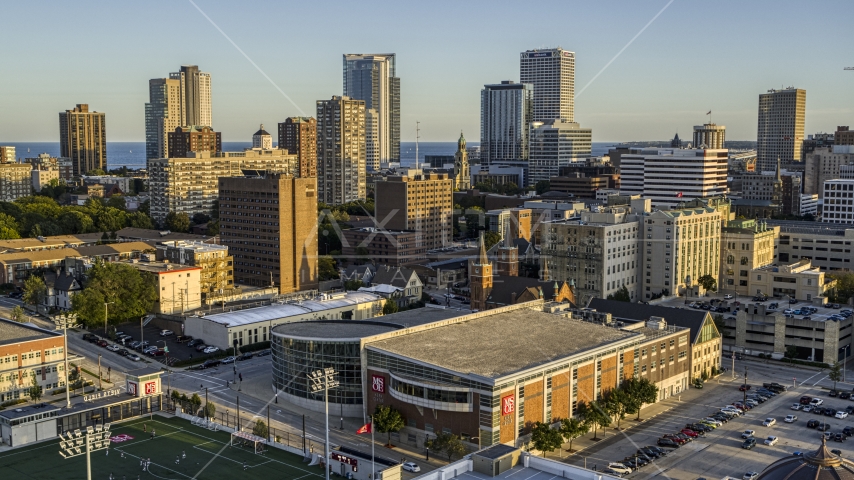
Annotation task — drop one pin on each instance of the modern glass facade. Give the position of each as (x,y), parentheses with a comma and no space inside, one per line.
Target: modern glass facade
(294,359)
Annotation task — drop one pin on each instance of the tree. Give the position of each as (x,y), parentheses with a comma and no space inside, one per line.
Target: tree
(708,282)
(640,391)
(140,220)
(195,402)
(791,352)
(8,227)
(130,294)
(18,314)
(390,307)
(622,295)
(34,290)
(326,268)
(210,410)
(448,444)
(176,397)
(177,222)
(387,420)
(353,285)
(213,227)
(95,172)
(835,373)
(545,438)
(594,416)
(572,428)
(490,239)
(201,218)
(35,391)
(260,429)
(117,201)
(720,324)
(617,404)
(145,207)
(844,289)
(543,186)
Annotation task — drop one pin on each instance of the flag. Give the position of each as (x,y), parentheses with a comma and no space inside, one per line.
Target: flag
(709,112)
(366,428)
(679,195)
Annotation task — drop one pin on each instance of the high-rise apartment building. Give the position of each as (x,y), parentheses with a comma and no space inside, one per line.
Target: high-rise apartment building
(554,144)
(190,185)
(677,248)
(598,254)
(341,150)
(506,110)
(195,92)
(262,140)
(276,243)
(843,136)
(298,135)
(423,203)
(83,138)
(709,135)
(552,73)
(668,176)
(781,127)
(838,201)
(186,140)
(15,181)
(372,78)
(823,164)
(162,115)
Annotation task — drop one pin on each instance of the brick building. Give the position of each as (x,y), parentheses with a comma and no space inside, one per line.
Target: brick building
(298,135)
(423,203)
(194,138)
(390,247)
(26,351)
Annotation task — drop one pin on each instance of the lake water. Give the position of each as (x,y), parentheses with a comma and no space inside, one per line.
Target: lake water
(132,154)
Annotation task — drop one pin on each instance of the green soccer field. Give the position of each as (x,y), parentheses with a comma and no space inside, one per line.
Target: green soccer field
(208,457)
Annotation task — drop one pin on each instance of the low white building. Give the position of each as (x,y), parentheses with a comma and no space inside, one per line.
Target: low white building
(253,325)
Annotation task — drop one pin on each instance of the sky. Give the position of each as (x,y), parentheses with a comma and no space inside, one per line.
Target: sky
(694,57)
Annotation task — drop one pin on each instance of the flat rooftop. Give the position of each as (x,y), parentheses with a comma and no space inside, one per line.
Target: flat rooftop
(352,329)
(159,267)
(508,342)
(13,332)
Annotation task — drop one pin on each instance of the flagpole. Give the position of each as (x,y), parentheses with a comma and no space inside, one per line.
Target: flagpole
(373,471)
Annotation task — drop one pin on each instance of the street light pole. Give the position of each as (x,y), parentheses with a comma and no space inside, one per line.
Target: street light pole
(106,311)
(744,400)
(324,380)
(64,322)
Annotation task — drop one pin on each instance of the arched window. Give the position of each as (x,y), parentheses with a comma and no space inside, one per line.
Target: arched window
(744,260)
(730,259)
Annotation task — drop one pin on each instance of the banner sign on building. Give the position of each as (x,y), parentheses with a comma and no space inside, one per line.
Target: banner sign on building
(378,383)
(508,405)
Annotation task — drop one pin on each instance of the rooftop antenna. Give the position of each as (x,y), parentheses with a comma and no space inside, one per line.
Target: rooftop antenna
(417,136)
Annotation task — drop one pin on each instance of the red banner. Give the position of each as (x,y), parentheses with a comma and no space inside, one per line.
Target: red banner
(378,383)
(508,404)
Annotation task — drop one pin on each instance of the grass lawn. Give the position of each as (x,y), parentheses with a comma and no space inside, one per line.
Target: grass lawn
(208,457)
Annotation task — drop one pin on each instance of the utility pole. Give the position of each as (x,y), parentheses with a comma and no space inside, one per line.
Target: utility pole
(744,400)
(106,312)
(100,386)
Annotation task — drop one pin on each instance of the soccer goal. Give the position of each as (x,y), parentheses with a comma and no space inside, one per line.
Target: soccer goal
(243,439)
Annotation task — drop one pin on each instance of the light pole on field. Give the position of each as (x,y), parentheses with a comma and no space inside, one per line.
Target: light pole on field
(64,322)
(83,443)
(323,380)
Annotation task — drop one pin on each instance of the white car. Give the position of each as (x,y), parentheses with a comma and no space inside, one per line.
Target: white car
(166,333)
(771,441)
(619,468)
(841,414)
(113,348)
(732,411)
(748,434)
(411,467)
(134,357)
(796,406)
(791,418)
(210,350)
(769,422)
(727,297)
(750,476)
(816,402)
(751,402)
(713,420)
(807,408)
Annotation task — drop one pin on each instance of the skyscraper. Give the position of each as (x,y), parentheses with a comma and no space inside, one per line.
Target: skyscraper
(371,78)
(162,115)
(552,73)
(298,135)
(285,253)
(780,134)
(83,138)
(341,150)
(195,95)
(555,144)
(423,203)
(506,110)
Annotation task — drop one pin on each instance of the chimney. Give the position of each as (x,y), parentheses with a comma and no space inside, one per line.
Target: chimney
(513,298)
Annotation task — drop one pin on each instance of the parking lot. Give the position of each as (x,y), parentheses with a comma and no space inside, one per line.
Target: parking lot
(719,453)
(151,335)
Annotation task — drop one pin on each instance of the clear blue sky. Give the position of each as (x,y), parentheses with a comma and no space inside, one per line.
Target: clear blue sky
(697,56)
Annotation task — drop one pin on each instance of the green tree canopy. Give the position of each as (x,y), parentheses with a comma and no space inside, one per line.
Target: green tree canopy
(448,444)
(622,295)
(640,391)
(543,186)
(545,438)
(572,428)
(490,239)
(353,285)
(177,222)
(387,420)
(34,290)
(708,282)
(210,410)
(835,373)
(617,404)
(844,286)
(326,268)
(390,307)
(130,293)
(8,227)
(593,415)
(35,391)
(260,429)
(19,314)
(117,201)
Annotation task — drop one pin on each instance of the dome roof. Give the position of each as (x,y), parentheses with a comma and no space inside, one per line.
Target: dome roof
(818,465)
(262,131)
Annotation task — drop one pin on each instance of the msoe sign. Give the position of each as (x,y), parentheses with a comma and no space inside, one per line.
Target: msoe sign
(508,405)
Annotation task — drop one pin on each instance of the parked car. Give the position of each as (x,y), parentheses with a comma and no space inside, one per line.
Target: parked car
(113,348)
(823,427)
(661,452)
(743,388)
(812,423)
(183,338)
(135,344)
(159,352)
(771,441)
(832,393)
(806,399)
(211,363)
(194,342)
(807,408)
(200,347)
(844,396)
(245,356)
(134,357)
(727,297)
(123,352)
(829,412)
(166,333)
(228,360)
(699,427)
(608,471)
(790,418)
(650,452)
(841,414)
(149,350)
(666,442)
(690,433)
(816,401)
(795,406)
(210,350)
(619,468)
(262,353)
(769,422)
(750,476)
(411,467)
(848,431)
(748,433)
(839,437)
(748,443)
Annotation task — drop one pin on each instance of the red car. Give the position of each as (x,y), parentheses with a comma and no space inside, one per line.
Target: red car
(806,400)
(679,440)
(744,388)
(102,343)
(690,433)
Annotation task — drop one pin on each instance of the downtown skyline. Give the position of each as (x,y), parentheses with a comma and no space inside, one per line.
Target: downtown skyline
(662,83)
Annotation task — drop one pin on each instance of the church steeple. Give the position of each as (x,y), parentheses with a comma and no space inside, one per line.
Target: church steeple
(480,278)
(461,143)
(462,173)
